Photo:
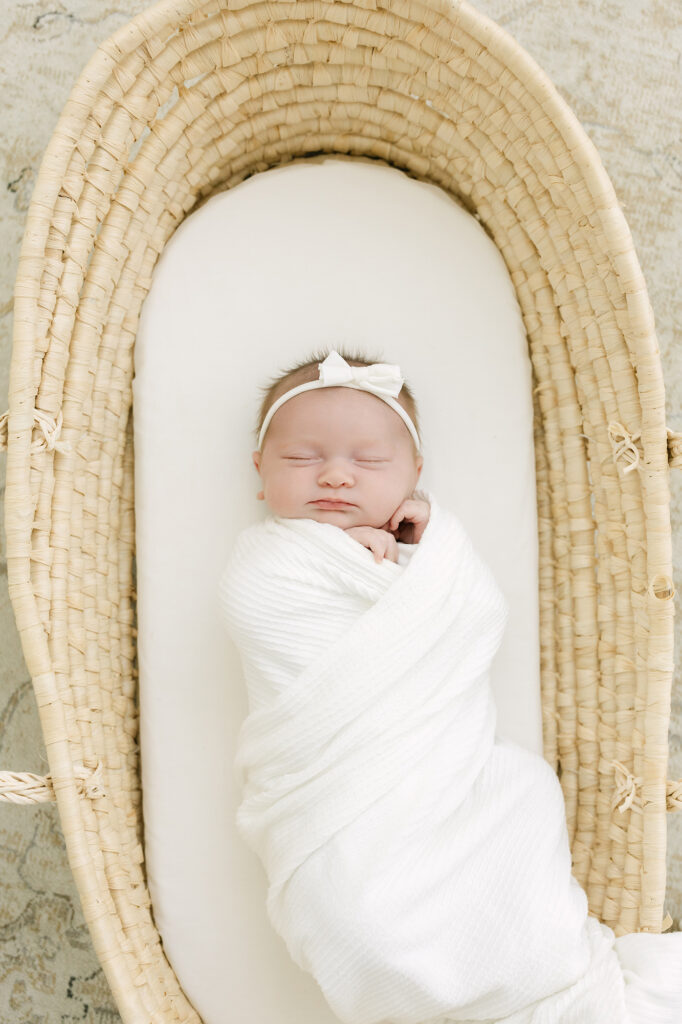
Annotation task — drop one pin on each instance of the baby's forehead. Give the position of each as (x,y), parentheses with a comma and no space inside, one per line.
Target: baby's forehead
(337,415)
(331,432)
(337,405)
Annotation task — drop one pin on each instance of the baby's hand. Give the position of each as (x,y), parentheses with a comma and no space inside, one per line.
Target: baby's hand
(408,522)
(383,544)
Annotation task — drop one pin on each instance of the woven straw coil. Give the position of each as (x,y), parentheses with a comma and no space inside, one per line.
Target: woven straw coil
(188,99)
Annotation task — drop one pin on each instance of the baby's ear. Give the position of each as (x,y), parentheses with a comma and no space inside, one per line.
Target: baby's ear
(256,456)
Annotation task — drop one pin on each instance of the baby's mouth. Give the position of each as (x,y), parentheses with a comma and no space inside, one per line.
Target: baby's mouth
(330,503)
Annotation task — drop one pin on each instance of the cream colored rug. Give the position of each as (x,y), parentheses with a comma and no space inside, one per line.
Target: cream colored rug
(618,65)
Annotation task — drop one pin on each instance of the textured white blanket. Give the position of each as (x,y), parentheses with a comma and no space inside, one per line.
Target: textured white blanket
(418,865)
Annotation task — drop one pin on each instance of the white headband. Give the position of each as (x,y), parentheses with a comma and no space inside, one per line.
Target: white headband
(381,379)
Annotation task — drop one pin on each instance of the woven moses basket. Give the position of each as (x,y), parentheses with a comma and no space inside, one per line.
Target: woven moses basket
(191,98)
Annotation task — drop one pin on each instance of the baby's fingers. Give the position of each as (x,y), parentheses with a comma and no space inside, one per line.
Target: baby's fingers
(397,517)
(383,545)
(409,520)
(409,510)
(377,547)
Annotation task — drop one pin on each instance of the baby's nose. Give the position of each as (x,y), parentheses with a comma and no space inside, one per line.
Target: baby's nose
(336,471)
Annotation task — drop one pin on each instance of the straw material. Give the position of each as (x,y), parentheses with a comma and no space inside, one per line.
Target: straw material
(191,98)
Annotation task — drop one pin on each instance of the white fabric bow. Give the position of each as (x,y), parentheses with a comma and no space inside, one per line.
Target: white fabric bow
(380,378)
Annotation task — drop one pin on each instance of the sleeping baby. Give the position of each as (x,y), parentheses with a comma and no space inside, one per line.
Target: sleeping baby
(343,456)
(418,865)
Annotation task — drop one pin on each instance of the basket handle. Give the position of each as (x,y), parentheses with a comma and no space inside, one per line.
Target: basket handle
(27,788)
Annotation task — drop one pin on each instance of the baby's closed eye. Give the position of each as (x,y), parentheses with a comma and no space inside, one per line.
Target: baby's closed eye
(310,458)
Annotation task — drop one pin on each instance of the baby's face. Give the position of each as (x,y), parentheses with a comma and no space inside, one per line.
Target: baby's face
(337,443)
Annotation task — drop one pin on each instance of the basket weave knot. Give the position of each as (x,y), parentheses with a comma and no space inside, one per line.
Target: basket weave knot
(50,428)
(626,790)
(624,448)
(90,781)
(626,786)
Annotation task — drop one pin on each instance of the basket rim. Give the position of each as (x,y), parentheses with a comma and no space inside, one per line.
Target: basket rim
(97,72)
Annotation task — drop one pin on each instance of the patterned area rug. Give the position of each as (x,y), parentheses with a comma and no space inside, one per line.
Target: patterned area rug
(617,64)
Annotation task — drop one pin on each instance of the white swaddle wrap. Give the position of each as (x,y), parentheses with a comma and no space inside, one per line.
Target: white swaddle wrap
(418,866)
